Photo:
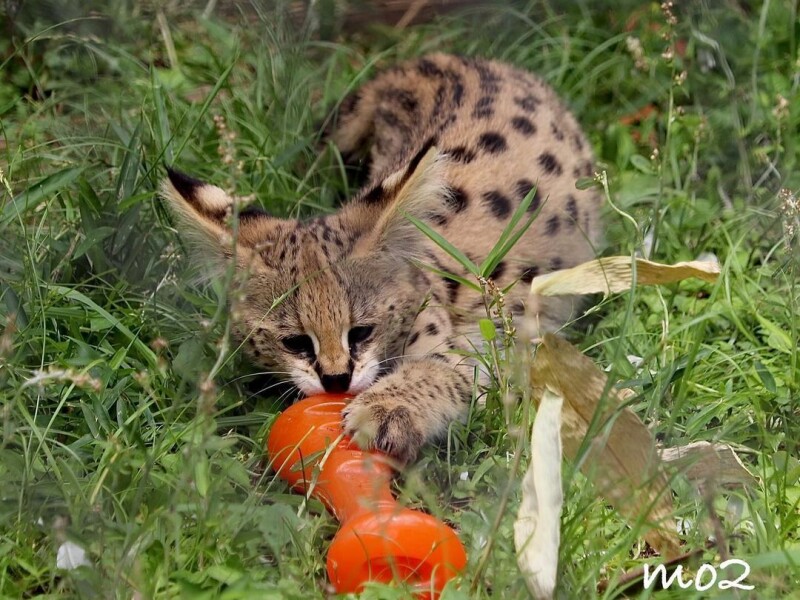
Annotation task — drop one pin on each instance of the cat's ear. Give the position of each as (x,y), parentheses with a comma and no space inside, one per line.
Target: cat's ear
(418,190)
(203,213)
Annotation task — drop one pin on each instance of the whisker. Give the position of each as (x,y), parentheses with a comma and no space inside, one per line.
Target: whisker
(288,392)
(258,374)
(267,388)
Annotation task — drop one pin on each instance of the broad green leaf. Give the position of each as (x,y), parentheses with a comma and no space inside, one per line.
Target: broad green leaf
(777,338)
(201,475)
(488,330)
(189,360)
(766,377)
(642,164)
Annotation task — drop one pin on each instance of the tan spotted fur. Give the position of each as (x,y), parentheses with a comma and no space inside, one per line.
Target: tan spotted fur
(456,142)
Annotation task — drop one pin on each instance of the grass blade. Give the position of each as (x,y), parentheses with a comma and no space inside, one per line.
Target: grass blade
(440,241)
(509,237)
(39,191)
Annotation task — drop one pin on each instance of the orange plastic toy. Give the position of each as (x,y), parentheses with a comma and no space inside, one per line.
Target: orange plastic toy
(379,540)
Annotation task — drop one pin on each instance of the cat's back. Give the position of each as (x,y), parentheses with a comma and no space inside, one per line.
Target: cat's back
(505,132)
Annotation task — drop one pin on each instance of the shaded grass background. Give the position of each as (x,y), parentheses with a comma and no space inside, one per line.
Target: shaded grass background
(131,426)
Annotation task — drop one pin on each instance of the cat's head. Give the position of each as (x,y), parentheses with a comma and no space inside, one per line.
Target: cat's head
(326,302)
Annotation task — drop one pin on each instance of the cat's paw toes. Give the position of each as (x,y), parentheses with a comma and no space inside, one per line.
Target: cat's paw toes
(385,426)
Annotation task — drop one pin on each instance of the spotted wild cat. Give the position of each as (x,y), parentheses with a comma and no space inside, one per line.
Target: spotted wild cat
(456,142)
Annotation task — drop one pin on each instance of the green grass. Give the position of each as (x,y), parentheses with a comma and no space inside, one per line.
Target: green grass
(127,410)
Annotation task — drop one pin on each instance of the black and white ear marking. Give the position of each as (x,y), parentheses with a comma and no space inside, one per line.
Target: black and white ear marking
(418,190)
(208,200)
(400,178)
(184,184)
(199,210)
(417,158)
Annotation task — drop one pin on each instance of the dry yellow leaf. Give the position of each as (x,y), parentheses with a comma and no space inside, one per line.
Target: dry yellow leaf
(708,465)
(621,460)
(615,274)
(537,528)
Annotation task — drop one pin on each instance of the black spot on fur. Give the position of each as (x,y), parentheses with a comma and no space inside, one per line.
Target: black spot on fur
(403,98)
(375,195)
(427,68)
(489,81)
(518,307)
(528,102)
(392,120)
(438,219)
(523,78)
(552,226)
(447,122)
(498,271)
(577,142)
(556,264)
(524,187)
(550,163)
(492,142)
(252,212)
(497,203)
(528,274)
(456,84)
(458,91)
(412,339)
(484,108)
(523,125)
(461,154)
(572,209)
(431,329)
(556,131)
(349,104)
(452,289)
(457,199)
(466,61)
(438,103)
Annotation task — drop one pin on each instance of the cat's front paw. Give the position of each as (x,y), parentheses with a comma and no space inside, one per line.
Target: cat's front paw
(376,420)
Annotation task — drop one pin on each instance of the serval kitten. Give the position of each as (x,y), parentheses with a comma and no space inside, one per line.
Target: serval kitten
(344,302)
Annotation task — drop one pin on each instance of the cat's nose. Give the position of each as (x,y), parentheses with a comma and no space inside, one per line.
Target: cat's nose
(336,383)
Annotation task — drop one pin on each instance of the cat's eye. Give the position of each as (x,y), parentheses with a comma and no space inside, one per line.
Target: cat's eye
(359,334)
(298,344)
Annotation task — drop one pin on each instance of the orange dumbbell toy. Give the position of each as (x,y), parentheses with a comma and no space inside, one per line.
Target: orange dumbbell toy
(379,540)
